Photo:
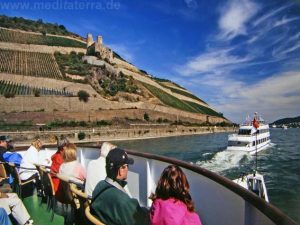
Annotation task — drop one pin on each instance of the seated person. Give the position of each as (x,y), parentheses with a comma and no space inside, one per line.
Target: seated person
(71,167)
(5,145)
(4,219)
(57,160)
(4,186)
(30,158)
(13,205)
(172,202)
(98,165)
(110,202)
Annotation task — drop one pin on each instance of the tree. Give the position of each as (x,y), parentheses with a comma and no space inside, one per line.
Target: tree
(81,135)
(83,96)
(146,117)
(37,92)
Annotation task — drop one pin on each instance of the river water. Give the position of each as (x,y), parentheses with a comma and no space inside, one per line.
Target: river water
(279,164)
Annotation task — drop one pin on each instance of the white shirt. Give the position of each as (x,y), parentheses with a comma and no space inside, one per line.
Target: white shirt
(30,157)
(95,172)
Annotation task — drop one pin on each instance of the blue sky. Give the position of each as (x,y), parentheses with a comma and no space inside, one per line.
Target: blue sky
(240,56)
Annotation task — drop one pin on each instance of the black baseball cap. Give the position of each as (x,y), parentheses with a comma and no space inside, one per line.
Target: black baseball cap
(117,157)
(5,138)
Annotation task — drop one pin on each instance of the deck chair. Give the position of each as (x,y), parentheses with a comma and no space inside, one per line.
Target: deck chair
(81,202)
(4,185)
(3,173)
(92,218)
(48,190)
(66,198)
(18,184)
(41,174)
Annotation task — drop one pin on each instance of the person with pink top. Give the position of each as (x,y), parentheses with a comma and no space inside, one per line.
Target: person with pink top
(71,167)
(172,202)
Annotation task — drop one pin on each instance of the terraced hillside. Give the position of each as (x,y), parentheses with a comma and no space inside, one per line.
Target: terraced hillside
(38,39)
(56,69)
(29,64)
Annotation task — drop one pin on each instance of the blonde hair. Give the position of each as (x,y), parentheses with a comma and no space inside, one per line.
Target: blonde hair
(70,152)
(37,144)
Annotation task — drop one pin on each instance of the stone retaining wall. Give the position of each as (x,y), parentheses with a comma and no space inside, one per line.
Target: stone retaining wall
(111,134)
(39,48)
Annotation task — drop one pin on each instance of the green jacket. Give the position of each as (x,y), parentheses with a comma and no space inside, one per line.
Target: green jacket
(114,207)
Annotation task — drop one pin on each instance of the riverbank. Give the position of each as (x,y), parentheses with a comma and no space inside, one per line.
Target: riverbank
(98,135)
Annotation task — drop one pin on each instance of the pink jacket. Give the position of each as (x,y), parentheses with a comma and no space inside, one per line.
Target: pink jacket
(172,212)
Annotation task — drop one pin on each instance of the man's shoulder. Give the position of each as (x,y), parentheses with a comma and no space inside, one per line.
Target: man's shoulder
(109,190)
(95,163)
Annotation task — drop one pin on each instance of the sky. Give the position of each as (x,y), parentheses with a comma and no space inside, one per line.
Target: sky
(239,56)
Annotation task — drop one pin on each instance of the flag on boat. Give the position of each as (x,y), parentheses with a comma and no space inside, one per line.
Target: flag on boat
(255,126)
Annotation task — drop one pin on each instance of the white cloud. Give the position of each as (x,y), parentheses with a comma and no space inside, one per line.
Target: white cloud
(219,74)
(273,97)
(211,61)
(291,49)
(269,15)
(284,21)
(283,49)
(123,51)
(234,17)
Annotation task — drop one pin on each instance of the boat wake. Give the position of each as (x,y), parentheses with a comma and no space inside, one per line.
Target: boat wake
(224,160)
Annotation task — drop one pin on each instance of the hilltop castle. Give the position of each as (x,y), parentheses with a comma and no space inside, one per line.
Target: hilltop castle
(98,49)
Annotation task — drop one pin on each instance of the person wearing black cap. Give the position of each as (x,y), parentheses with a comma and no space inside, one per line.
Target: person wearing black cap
(4,145)
(110,202)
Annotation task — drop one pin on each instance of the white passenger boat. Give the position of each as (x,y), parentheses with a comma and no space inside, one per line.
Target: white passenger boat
(218,200)
(253,136)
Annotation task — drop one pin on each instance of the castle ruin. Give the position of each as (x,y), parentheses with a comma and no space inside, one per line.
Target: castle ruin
(98,49)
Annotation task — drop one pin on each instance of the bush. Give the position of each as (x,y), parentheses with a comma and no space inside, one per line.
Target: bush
(83,96)
(37,92)
(81,135)
(9,95)
(103,123)
(146,117)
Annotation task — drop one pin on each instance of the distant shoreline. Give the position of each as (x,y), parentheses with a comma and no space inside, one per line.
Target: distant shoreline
(114,135)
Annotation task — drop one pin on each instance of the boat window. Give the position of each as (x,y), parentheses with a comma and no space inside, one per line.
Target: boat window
(237,143)
(256,186)
(244,132)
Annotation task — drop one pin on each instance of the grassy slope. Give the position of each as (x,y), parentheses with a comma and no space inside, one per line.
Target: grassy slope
(172,101)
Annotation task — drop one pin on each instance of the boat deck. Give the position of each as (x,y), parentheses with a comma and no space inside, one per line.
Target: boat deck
(39,213)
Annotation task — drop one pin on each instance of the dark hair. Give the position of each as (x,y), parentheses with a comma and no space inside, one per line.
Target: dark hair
(111,172)
(174,184)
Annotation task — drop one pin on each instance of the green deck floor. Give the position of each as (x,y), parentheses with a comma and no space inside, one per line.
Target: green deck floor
(39,213)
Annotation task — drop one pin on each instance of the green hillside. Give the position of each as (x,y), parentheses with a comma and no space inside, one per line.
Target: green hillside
(28,38)
(172,101)
(291,122)
(34,26)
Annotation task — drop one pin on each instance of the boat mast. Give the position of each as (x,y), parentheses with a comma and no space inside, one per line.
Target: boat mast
(255,124)
(255,153)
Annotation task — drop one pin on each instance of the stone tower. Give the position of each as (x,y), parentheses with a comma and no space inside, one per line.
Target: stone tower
(99,40)
(89,40)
